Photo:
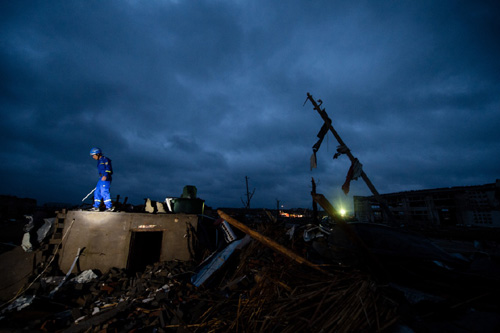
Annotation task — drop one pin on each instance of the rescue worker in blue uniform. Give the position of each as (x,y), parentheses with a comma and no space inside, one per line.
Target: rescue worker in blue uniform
(102,189)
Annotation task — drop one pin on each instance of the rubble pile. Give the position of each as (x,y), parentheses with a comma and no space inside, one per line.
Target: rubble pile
(257,289)
(115,299)
(287,297)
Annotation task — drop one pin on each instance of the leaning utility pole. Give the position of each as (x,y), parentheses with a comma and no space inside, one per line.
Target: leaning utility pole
(315,204)
(372,188)
(249,195)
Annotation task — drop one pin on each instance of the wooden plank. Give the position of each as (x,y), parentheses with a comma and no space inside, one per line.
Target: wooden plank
(268,242)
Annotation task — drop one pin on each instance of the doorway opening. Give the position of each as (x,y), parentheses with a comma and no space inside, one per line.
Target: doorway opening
(145,249)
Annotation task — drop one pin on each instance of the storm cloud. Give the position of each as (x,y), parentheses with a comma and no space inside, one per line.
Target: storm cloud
(205,93)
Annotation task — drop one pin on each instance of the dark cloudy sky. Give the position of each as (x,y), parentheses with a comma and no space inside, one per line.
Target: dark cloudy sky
(205,93)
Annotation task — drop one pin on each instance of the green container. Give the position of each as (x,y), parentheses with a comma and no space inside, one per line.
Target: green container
(188,206)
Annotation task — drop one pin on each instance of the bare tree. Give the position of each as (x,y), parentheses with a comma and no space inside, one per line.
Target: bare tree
(248,195)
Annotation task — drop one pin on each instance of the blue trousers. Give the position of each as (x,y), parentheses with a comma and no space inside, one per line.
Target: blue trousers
(102,193)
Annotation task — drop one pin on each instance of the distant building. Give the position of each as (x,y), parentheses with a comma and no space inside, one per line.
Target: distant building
(477,206)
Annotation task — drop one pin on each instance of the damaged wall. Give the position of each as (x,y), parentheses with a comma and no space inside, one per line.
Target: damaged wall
(477,206)
(124,240)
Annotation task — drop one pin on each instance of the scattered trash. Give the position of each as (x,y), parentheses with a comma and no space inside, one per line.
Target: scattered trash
(45,229)
(40,234)
(26,243)
(20,303)
(84,277)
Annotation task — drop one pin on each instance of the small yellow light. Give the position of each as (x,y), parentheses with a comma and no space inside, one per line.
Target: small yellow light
(342,212)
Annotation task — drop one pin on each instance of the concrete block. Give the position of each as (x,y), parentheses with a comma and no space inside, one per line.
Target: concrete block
(107,238)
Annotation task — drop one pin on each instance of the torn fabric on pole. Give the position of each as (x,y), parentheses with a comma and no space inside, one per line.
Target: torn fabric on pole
(321,135)
(354,173)
(341,149)
(314,162)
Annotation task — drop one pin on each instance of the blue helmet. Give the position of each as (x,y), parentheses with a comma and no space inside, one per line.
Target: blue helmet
(95,151)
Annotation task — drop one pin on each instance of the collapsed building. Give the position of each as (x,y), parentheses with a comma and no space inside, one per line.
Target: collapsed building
(123,240)
(165,231)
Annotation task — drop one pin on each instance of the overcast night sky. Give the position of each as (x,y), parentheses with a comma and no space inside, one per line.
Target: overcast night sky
(205,93)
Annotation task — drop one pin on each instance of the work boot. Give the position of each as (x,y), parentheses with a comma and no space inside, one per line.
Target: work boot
(111,209)
(94,209)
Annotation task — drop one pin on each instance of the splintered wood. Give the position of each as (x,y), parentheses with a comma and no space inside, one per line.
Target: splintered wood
(288,297)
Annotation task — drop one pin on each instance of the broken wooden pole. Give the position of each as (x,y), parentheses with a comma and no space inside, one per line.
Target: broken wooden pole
(368,182)
(314,204)
(268,242)
(327,206)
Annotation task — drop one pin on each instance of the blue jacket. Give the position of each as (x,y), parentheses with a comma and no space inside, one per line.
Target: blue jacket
(104,167)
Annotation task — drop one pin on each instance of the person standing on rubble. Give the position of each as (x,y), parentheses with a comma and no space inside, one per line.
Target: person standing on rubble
(102,189)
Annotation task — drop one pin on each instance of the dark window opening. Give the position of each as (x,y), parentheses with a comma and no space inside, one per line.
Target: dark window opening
(145,249)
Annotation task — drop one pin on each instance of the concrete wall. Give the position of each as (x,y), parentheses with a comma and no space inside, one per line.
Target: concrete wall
(105,237)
